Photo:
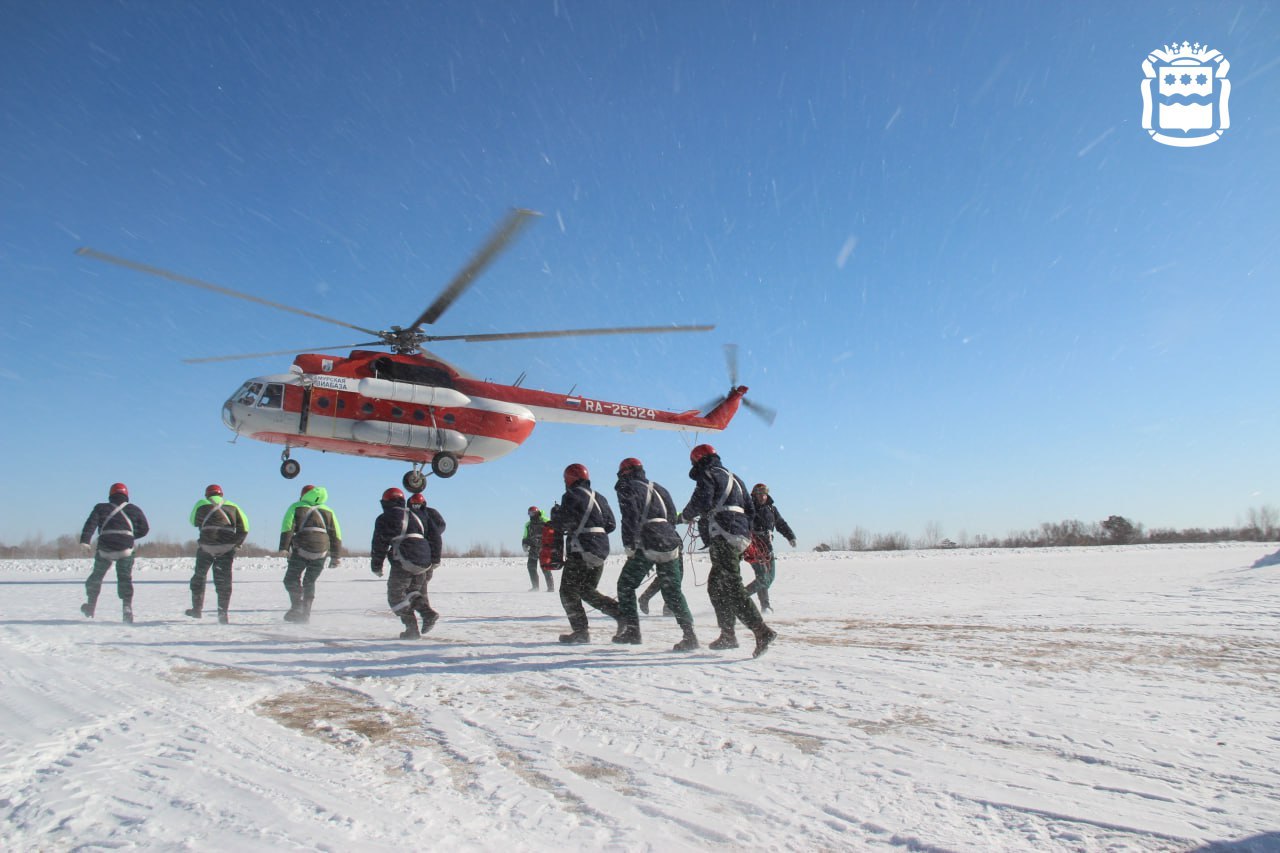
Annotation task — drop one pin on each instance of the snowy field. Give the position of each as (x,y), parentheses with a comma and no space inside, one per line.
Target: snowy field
(1055,699)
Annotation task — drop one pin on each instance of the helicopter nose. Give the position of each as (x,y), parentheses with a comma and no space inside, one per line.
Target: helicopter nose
(229,414)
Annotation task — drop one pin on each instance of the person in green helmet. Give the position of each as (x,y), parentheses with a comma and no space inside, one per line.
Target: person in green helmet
(309,535)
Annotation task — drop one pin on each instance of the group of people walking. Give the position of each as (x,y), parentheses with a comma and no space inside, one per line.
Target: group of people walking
(730,521)
(408,536)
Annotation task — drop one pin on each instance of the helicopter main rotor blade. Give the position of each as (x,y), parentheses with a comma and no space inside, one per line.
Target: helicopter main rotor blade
(509,227)
(86,252)
(731,361)
(276,352)
(569,333)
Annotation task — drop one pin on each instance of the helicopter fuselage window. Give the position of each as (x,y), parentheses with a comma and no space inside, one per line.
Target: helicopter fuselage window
(272,398)
(250,393)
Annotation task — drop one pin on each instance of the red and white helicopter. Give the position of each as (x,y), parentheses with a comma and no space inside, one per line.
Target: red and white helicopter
(413,406)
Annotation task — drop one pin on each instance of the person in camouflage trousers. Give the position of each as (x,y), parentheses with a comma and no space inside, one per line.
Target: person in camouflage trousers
(309,535)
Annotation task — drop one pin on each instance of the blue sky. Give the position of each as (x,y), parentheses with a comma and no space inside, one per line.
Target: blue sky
(979,296)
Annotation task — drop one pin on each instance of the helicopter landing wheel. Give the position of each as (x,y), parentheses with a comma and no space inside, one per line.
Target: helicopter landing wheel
(415,481)
(289,468)
(444,465)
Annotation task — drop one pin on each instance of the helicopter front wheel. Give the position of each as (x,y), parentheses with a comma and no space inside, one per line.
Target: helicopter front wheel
(415,481)
(444,465)
(288,467)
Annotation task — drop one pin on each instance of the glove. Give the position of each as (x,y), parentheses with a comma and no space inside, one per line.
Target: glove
(433,567)
(334,562)
(284,552)
(791,542)
(526,548)
(377,570)
(630,552)
(86,547)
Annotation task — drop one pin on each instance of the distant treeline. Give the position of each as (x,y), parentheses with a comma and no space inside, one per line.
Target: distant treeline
(68,547)
(1260,525)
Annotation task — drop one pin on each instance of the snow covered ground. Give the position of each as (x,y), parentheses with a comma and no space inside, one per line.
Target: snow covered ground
(1056,699)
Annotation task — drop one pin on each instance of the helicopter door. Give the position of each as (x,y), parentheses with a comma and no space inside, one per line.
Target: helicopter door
(306,409)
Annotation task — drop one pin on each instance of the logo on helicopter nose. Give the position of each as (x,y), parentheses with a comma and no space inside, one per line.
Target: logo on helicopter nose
(1185,95)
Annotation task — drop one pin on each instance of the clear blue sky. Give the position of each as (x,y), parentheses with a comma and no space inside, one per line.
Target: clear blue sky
(978,294)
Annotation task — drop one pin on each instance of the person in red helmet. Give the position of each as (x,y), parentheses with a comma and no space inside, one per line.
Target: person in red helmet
(720,498)
(309,534)
(223,527)
(531,542)
(119,525)
(651,541)
(401,538)
(435,525)
(586,520)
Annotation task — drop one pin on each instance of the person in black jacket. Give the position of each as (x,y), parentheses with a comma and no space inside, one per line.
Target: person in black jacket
(402,537)
(760,553)
(586,520)
(720,499)
(119,524)
(435,524)
(650,538)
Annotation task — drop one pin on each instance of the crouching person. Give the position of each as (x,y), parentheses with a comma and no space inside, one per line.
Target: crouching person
(401,538)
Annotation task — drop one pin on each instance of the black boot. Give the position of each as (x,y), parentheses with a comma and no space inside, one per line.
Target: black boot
(410,631)
(630,635)
(197,605)
(429,618)
(726,640)
(222,616)
(689,643)
(306,609)
(764,637)
(644,605)
(87,609)
(192,612)
(576,637)
(126,614)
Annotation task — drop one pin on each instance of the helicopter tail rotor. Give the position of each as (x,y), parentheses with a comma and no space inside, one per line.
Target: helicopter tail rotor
(760,410)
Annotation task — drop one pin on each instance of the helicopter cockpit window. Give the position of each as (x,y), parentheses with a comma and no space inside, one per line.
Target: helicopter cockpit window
(249,393)
(272,397)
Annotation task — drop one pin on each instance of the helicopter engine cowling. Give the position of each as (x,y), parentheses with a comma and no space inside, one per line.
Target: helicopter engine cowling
(409,435)
(408,392)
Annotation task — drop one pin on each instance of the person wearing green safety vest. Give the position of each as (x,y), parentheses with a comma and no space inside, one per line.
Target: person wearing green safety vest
(223,528)
(309,534)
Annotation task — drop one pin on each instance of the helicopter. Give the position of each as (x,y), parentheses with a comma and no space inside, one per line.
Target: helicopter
(411,405)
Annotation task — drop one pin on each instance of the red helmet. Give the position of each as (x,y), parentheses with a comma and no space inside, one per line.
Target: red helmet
(575,472)
(306,489)
(700,452)
(213,489)
(119,489)
(533,510)
(629,464)
(393,494)
(417,498)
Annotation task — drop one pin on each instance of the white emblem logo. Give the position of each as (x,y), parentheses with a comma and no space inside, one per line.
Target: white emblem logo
(326,364)
(1190,97)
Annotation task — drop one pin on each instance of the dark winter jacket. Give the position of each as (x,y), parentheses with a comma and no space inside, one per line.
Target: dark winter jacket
(400,536)
(310,528)
(723,498)
(118,524)
(586,519)
(768,519)
(648,516)
(223,525)
(434,523)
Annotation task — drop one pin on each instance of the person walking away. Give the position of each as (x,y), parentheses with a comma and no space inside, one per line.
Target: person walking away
(309,534)
(585,519)
(720,497)
(651,541)
(532,545)
(434,522)
(223,527)
(759,554)
(400,537)
(119,524)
